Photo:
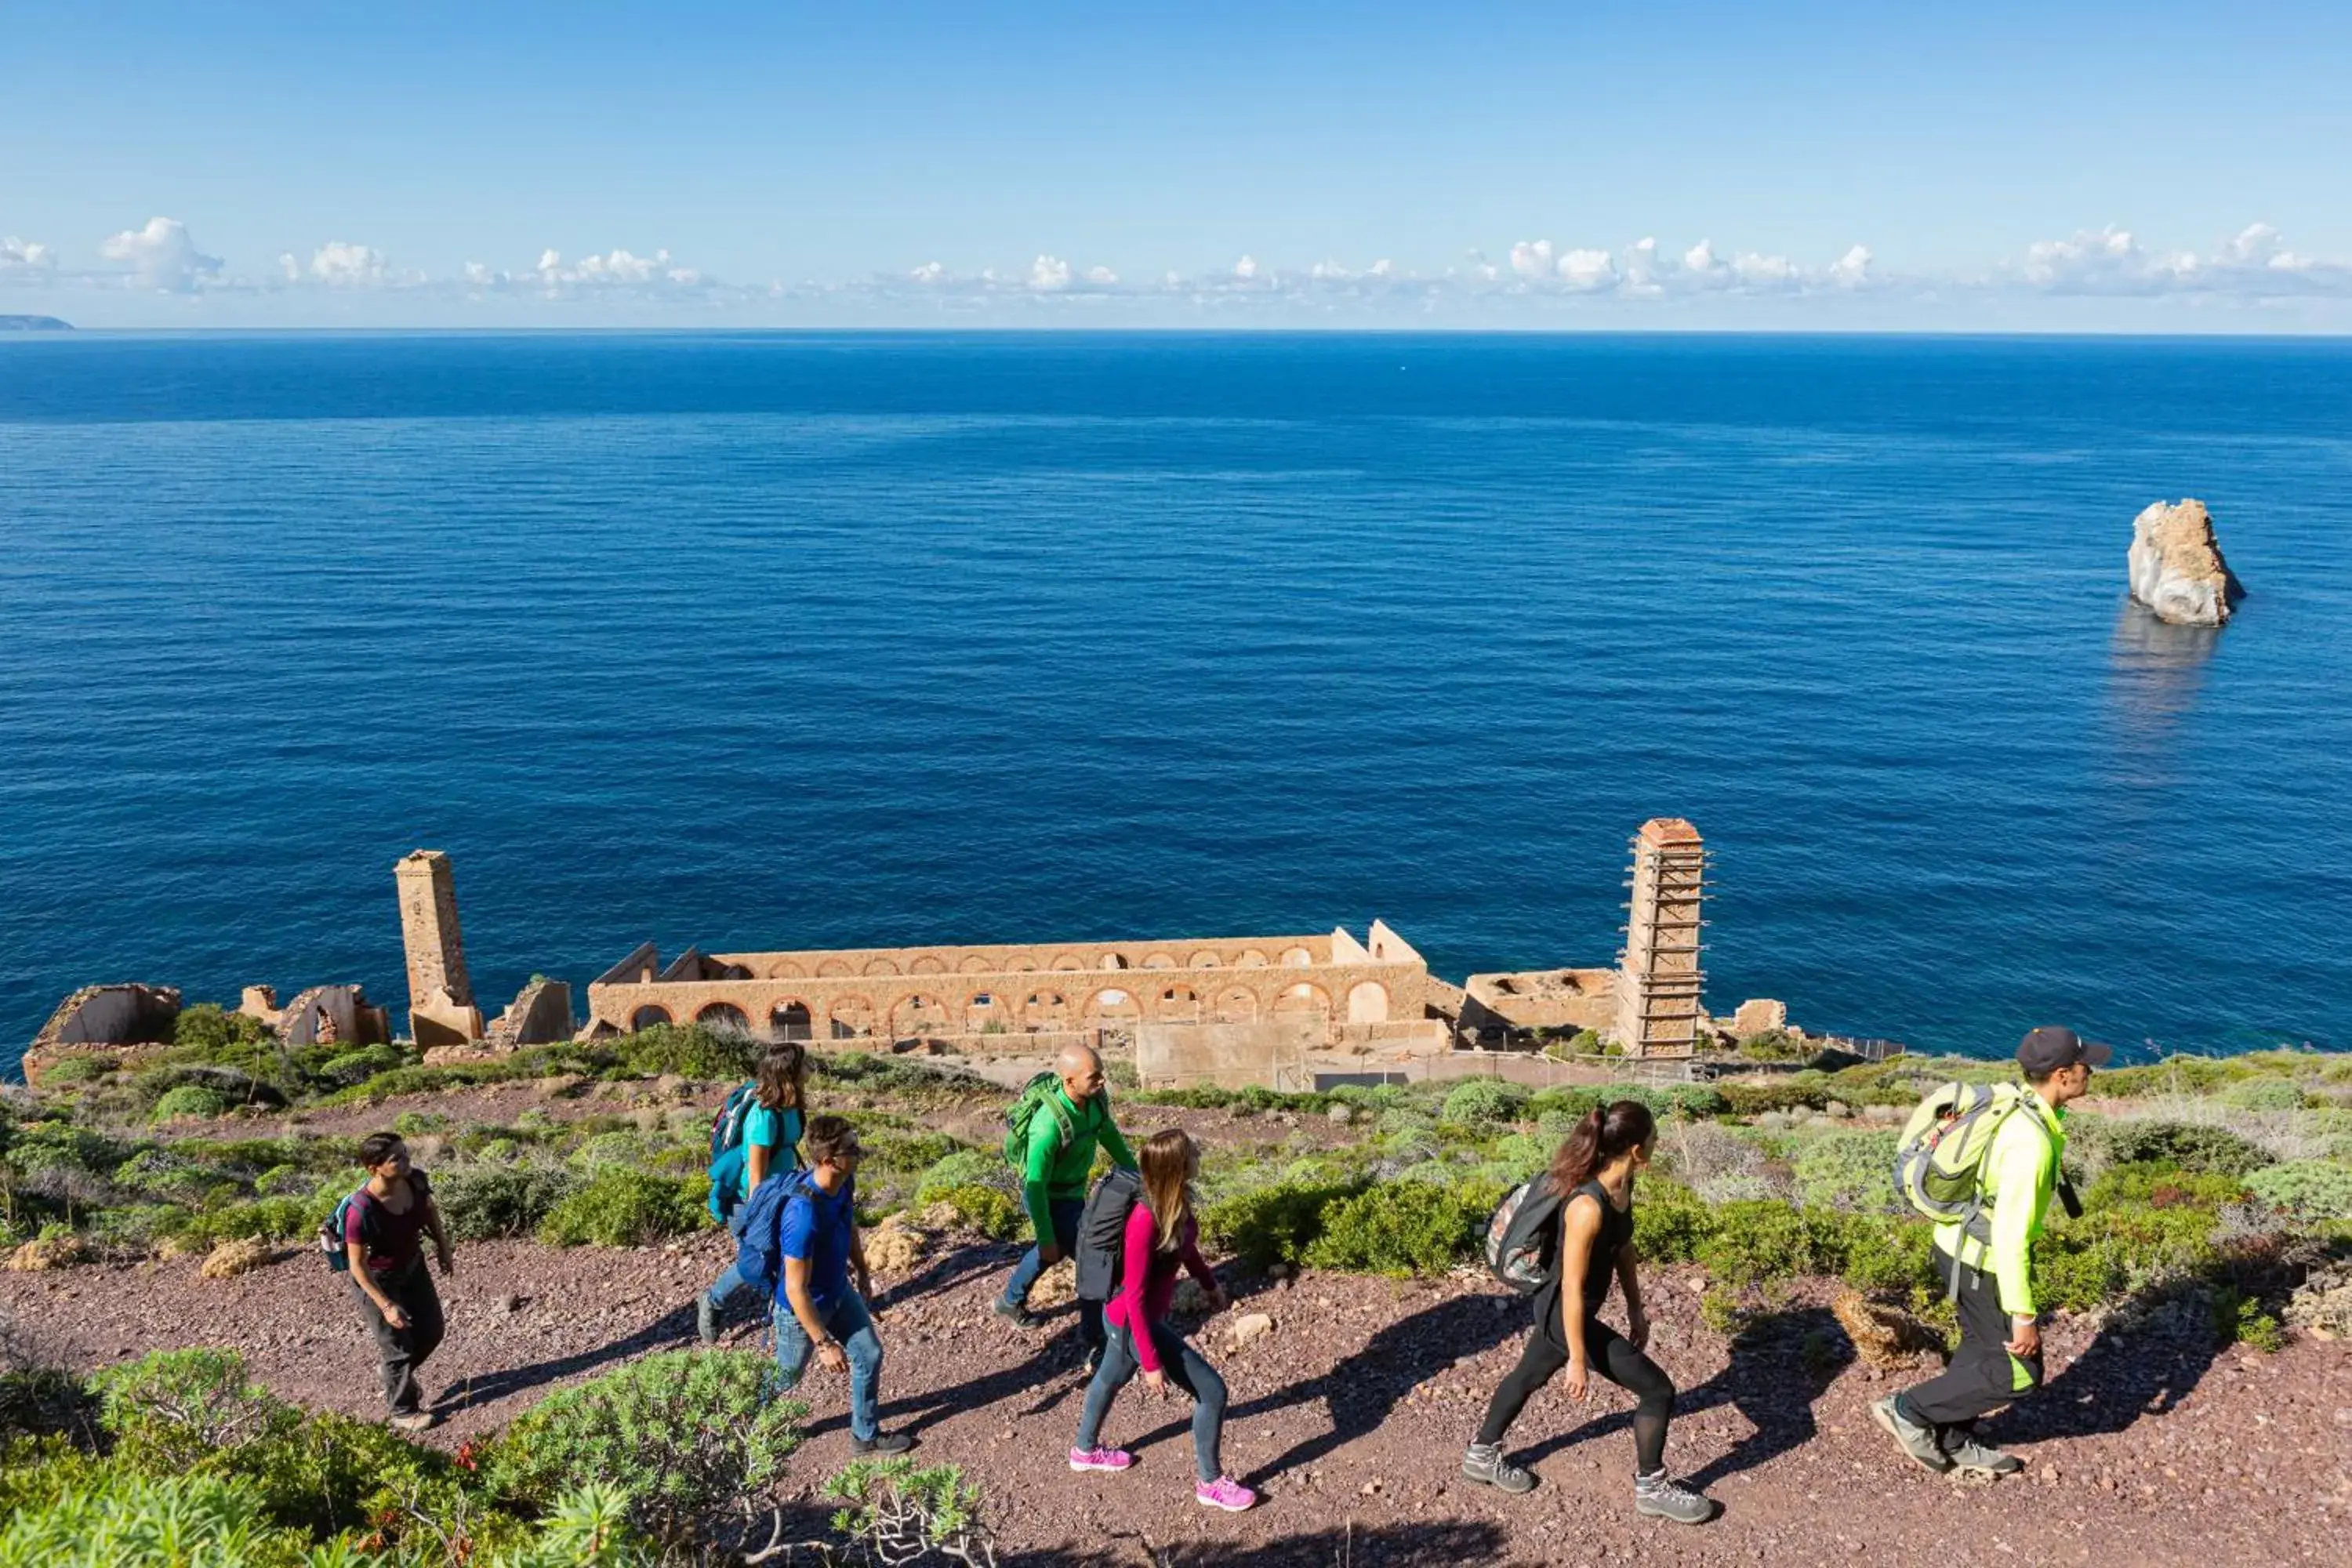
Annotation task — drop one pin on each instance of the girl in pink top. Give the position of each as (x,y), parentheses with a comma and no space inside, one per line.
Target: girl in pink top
(1161,1234)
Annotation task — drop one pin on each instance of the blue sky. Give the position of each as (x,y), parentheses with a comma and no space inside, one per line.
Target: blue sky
(2091,166)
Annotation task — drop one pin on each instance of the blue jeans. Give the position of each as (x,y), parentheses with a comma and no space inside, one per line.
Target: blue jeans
(731,1283)
(850,1323)
(1066,1213)
(1186,1367)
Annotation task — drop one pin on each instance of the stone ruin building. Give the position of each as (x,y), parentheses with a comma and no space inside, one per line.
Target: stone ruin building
(1283,1011)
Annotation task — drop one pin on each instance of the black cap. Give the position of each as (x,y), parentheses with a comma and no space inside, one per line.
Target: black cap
(2047,1049)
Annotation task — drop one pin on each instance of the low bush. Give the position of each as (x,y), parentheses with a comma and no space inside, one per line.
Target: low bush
(991,1211)
(78,1070)
(688,1050)
(414,1081)
(1749,1243)
(2111,1253)
(1273,1224)
(263,1219)
(210,1032)
(1478,1101)
(1849,1171)
(189,1100)
(688,1437)
(349,1067)
(1773,1094)
(887,1151)
(893,1513)
(2306,1189)
(2160,1184)
(1401,1228)
(478,1203)
(2192,1146)
(622,1207)
(965,1168)
(2263,1094)
(419,1123)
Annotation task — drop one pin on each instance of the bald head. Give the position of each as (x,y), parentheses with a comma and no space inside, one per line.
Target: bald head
(1081,1069)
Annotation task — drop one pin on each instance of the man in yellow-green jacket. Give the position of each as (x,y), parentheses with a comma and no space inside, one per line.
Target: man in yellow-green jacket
(1999,1357)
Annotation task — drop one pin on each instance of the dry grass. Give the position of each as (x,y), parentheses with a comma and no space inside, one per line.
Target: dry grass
(1884,1337)
(231,1258)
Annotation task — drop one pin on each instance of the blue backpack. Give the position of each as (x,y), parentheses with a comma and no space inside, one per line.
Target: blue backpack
(728,1151)
(759,1259)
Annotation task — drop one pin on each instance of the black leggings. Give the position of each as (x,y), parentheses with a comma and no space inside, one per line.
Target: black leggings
(1611,1355)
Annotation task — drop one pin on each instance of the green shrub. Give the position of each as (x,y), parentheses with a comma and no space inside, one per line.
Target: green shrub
(1749,1243)
(78,1069)
(893,1512)
(2306,1189)
(1669,1223)
(1273,1224)
(1774,1094)
(2110,1253)
(349,1067)
(172,1411)
(887,1151)
(603,1150)
(1849,1171)
(190,1100)
(622,1207)
(1890,1254)
(418,1123)
(684,1435)
(266,1219)
(688,1050)
(2173,1075)
(1401,1228)
(207,1030)
(2207,1151)
(1774,1046)
(1478,1100)
(991,1211)
(414,1081)
(478,1203)
(125,1522)
(2263,1094)
(964,1168)
(2162,1186)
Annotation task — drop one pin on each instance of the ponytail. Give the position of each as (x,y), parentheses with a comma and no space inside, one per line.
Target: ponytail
(1598,1139)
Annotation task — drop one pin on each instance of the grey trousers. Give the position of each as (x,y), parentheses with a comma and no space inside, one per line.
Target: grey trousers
(402,1351)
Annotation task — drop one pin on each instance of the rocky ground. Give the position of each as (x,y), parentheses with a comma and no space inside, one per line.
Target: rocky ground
(1350,1414)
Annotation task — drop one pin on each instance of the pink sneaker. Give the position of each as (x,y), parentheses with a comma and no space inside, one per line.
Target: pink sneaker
(1100,1458)
(1226,1493)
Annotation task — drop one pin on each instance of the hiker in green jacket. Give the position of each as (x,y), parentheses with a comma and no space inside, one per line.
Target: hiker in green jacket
(1999,1357)
(1063,1132)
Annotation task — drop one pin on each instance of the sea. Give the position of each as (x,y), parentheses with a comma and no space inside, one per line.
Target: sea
(791,640)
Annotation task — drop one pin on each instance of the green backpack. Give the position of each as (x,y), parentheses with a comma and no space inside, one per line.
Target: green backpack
(1037,1094)
(1939,1159)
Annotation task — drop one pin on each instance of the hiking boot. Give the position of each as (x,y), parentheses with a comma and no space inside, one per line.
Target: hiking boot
(1020,1317)
(1100,1458)
(1663,1497)
(1485,1462)
(706,1320)
(414,1420)
(881,1443)
(1966,1453)
(1226,1493)
(1914,1437)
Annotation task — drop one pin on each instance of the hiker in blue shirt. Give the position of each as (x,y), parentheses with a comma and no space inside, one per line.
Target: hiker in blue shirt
(815,1307)
(758,1133)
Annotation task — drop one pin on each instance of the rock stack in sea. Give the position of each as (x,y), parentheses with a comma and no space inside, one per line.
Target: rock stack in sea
(2176,568)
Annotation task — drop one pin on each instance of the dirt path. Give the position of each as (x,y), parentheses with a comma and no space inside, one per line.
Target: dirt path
(1350,1416)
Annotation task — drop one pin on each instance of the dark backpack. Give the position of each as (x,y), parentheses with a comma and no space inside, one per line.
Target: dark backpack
(1041,1092)
(759,1259)
(1102,1233)
(330,1230)
(1523,1235)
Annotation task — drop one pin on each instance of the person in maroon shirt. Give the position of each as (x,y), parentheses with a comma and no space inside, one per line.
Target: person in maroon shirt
(382,1237)
(1161,1234)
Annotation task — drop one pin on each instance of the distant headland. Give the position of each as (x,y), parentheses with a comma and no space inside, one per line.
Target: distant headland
(34,324)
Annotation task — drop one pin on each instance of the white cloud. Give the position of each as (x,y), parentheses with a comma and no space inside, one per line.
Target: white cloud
(1246,267)
(1532,259)
(162,256)
(1101,276)
(2254,264)
(1851,270)
(339,264)
(22,255)
(1588,271)
(1049,275)
(930,273)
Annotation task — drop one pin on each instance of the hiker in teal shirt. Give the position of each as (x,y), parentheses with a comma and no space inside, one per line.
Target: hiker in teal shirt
(1063,1135)
(768,1144)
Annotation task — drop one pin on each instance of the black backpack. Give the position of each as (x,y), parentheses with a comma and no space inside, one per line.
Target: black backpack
(1102,1233)
(1522,1239)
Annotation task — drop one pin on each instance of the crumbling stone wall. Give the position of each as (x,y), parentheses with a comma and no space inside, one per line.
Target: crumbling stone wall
(334,1015)
(441,1008)
(101,1018)
(950,992)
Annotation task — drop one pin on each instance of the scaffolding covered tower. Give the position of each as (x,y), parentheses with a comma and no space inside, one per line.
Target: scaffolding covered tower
(1659,978)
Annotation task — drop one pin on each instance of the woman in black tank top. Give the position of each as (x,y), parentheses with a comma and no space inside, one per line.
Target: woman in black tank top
(1595,1167)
